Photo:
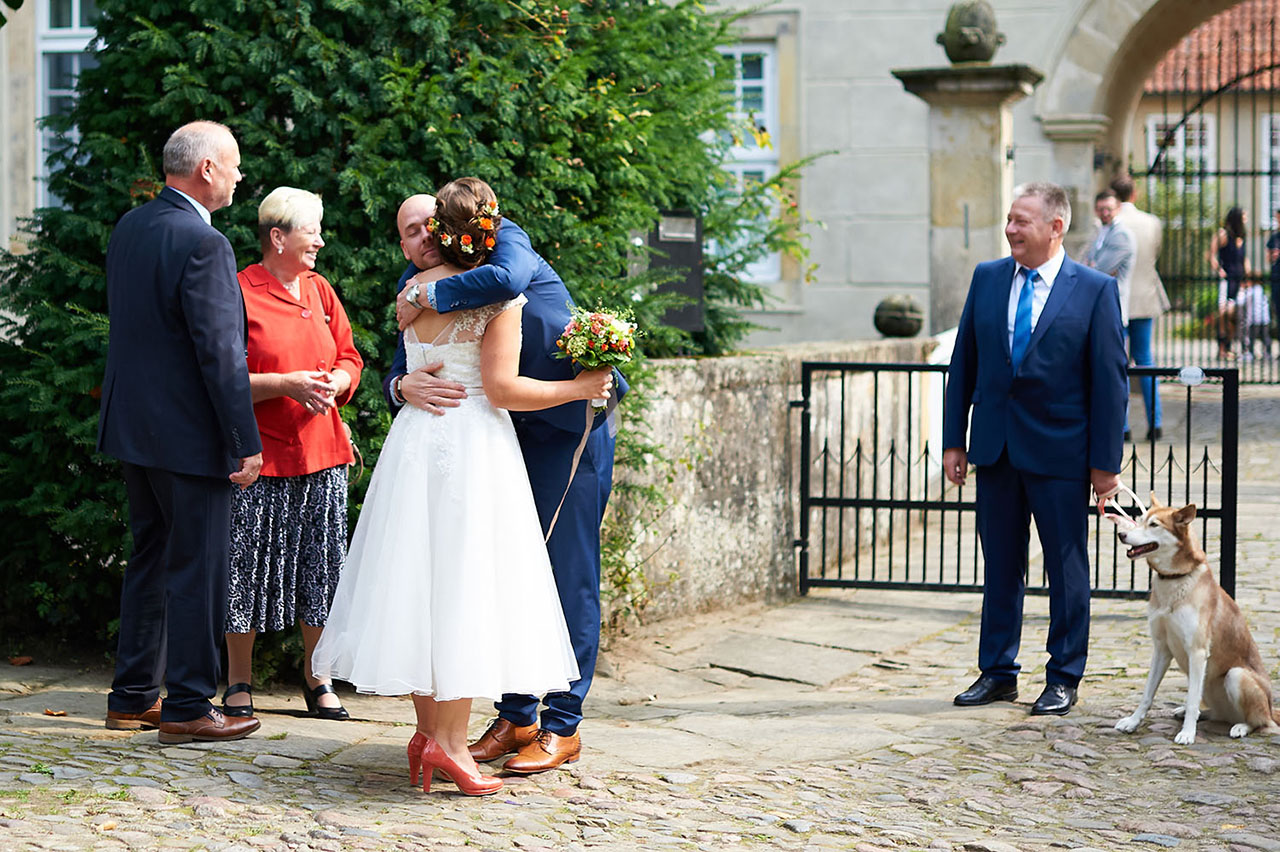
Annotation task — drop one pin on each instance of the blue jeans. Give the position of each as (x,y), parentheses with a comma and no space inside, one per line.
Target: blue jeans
(1140,350)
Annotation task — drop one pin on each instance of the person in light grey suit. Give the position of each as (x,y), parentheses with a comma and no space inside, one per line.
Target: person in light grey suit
(1114,249)
(1147,297)
(1113,253)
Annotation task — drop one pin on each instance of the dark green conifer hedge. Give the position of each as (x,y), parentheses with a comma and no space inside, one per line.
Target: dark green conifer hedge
(587,118)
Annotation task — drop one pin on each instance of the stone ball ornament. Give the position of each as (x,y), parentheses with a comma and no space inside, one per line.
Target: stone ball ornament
(970,34)
(899,316)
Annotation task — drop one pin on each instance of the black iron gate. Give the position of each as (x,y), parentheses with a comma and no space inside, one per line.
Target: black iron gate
(875,510)
(1210,120)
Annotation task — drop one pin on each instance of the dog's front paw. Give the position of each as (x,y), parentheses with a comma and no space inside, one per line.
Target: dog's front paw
(1185,737)
(1240,730)
(1128,724)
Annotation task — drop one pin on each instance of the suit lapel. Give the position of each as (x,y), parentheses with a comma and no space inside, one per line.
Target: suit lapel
(1059,293)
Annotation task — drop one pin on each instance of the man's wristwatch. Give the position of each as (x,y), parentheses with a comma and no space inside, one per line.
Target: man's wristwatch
(396,393)
(412,297)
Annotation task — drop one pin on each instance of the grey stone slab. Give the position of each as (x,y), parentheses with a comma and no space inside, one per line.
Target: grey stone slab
(766,656)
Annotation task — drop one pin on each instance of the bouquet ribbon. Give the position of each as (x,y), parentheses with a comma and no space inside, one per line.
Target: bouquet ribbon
(577,457)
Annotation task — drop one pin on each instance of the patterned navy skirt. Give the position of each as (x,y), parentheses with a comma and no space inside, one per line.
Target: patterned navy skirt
(288,543)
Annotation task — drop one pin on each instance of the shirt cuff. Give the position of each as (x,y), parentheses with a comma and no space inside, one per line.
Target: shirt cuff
(431,295)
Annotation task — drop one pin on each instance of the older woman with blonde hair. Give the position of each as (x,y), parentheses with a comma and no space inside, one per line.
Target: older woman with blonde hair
(289,531)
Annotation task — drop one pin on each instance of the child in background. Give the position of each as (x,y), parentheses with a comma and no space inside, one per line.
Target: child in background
(1255,318)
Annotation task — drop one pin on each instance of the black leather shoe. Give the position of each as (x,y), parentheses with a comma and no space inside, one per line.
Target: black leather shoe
(1155,434)
(312,696)
(1128,436)
(238,711)
(1056,700)
(987,689)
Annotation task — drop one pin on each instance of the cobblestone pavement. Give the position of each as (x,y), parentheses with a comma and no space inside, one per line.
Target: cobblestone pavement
(825,723)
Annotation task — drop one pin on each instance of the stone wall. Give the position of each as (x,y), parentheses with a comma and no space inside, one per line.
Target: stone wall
(727,535)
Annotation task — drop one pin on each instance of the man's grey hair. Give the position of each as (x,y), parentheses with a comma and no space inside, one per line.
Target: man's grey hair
(1053,197)
(191,144)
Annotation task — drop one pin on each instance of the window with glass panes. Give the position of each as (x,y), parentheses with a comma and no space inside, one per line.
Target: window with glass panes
(755,98)
(64,29)
(1270,166)
(1189,146)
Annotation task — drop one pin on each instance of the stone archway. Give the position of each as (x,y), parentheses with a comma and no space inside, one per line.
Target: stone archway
(1092,90)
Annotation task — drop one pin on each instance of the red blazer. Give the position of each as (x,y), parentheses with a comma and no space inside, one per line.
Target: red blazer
(287,334)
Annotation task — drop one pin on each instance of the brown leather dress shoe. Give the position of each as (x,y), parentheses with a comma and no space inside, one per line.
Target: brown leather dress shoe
(502,737)
(144,721)
(211,727)
(547,751)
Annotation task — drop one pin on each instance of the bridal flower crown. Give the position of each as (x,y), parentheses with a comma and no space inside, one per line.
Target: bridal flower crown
(483,220)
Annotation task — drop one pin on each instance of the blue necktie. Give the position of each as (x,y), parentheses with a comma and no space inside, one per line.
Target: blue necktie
(1022,320)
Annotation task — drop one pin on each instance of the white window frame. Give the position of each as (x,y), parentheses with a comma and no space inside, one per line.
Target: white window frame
(51,41)
(1179,153)
(1269,150)
(748,156)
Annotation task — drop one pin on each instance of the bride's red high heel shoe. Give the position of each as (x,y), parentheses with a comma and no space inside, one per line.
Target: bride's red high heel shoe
(434,757)
(416,744)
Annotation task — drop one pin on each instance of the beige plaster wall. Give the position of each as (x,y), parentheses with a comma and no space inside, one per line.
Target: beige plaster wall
(727,535)
(18,146)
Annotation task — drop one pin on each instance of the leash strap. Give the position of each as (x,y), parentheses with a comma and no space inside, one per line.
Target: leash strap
(1110,498)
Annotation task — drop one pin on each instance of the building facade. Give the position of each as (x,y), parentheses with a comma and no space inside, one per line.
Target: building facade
(816,74)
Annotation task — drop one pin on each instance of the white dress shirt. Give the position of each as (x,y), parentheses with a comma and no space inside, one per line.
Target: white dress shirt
(1040,290)
(200,208)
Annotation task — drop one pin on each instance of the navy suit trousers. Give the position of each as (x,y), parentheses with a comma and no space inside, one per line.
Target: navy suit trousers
(1007,499)
(181,541)
(574,548)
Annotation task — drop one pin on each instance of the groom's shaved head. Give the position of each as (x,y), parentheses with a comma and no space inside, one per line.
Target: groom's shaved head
(418,245)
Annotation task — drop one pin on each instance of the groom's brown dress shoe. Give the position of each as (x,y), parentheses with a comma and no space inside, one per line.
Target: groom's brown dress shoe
(502,737)
(547,751)
(144,721)
(211,727)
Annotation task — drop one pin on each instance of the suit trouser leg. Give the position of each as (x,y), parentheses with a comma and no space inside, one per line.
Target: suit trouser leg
(574,549)
(140,641)
(1003,528)
(173,607)
(1140,331)
(1058,506)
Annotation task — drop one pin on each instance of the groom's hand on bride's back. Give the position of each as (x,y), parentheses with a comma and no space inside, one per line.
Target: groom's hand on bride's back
(421,388)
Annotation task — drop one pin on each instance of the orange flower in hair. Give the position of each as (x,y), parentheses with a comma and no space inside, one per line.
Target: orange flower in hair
(485,223)
(465,244)
(489,242)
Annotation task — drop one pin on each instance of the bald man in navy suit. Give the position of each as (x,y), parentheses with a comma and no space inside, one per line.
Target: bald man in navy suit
(1039,359)
(177,412)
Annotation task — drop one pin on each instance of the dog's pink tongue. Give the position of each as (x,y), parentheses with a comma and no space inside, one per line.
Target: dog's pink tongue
(1141,549)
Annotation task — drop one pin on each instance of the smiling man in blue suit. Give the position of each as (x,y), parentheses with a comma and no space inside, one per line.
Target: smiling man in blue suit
(1039,359)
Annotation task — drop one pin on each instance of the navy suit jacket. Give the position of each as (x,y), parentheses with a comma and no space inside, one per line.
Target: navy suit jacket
(176,391)
(1063,411)
(513,267)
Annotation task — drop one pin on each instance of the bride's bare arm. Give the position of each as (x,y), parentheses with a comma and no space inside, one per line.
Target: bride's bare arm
(506,388)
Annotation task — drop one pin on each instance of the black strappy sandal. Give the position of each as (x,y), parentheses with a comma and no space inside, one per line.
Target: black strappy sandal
(240,711)
(312,695)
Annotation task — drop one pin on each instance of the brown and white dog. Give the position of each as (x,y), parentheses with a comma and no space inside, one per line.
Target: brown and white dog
(1194,621)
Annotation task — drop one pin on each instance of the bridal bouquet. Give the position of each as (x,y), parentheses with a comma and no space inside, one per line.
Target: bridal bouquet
(596,339)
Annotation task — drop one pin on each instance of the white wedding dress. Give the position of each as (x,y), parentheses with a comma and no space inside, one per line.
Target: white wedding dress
(447,589)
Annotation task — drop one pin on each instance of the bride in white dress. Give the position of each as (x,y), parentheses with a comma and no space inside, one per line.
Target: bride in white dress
(447,591)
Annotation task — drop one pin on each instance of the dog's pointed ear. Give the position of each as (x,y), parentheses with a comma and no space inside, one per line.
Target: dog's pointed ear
(1185,515)
(1155,501)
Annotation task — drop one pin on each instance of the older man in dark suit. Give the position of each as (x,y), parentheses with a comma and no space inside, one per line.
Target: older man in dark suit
(177,412)
(1039,357)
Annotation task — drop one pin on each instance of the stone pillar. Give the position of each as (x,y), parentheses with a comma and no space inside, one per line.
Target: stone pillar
(1075,166)
(970,171)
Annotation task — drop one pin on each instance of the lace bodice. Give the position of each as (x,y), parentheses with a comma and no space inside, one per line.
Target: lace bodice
(457,344)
